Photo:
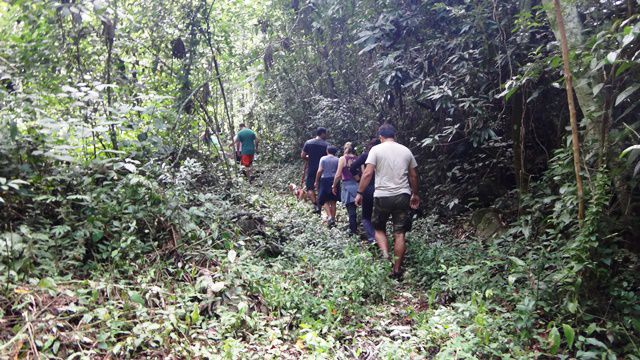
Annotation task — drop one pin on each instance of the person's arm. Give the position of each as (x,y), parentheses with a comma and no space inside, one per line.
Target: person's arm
(318,174)
(357,168)
(357,163)
(366,177)
(413,181)
(237,143)
(338,177)
(369,170)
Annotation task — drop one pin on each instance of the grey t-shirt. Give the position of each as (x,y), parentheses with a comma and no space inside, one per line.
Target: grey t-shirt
(329,166)
(392,161)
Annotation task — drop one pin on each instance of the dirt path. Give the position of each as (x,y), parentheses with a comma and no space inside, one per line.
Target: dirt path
(391,326)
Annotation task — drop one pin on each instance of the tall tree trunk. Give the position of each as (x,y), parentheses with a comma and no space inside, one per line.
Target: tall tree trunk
(572,106)
(591,106)
(109,31)
(210,124)
(207,35)
(518,113)
(224,95)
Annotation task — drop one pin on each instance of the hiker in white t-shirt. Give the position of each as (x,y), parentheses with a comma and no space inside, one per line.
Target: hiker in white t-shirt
(396,192)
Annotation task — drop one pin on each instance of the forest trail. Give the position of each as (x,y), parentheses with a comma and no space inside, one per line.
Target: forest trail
(392,327)
(269,281)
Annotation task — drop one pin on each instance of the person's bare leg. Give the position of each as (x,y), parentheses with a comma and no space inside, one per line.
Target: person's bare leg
(327,209)
(313,199)
(332,205)
(399,248)
(383,243)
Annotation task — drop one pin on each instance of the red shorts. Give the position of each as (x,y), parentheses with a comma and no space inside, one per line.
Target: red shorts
(246,160)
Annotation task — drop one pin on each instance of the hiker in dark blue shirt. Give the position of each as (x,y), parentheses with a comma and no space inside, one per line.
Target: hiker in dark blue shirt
(312,151)
(367,203)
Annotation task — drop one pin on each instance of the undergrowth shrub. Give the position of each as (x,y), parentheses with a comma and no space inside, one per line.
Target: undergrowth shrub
(547,281)
(111,213)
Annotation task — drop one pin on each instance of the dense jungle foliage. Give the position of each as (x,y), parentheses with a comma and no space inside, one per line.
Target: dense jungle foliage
(127,231)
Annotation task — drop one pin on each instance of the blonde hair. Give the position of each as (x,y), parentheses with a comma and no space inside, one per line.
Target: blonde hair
(348,148)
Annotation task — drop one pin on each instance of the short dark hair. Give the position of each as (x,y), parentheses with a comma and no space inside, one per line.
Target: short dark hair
(332,150)
(242,125)
(373,142)
(387,131)
(321,131)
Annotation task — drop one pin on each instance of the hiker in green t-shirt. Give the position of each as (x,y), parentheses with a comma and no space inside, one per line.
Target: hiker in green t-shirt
(247,140)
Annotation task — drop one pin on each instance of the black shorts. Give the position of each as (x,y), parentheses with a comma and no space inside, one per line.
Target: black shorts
(324,193)
(310,182)
(398,207)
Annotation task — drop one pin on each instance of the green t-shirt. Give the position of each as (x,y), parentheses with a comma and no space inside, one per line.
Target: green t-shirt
(247,137)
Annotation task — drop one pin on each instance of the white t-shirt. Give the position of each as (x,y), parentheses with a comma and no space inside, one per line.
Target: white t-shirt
(392,161)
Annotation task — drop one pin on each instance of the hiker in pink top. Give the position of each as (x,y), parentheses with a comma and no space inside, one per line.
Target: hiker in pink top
(349,187)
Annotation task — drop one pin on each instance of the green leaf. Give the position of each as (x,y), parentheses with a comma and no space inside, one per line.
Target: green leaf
(97,235)
(569,334)
(218,286)
(56,347)
(587,355)
(626,93)
(554,340)
(628,111)
(65,158)
(517,261)
(20,182)
(132,168)
(13,129)
(136,297)
(368,48)
(47,283)
(597,88)
(628,38)
(507,94)
(596,342)
(513,277)
(232,256)
(467,268)
(49,342)
(623,67)
(195,314)
(628,150)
